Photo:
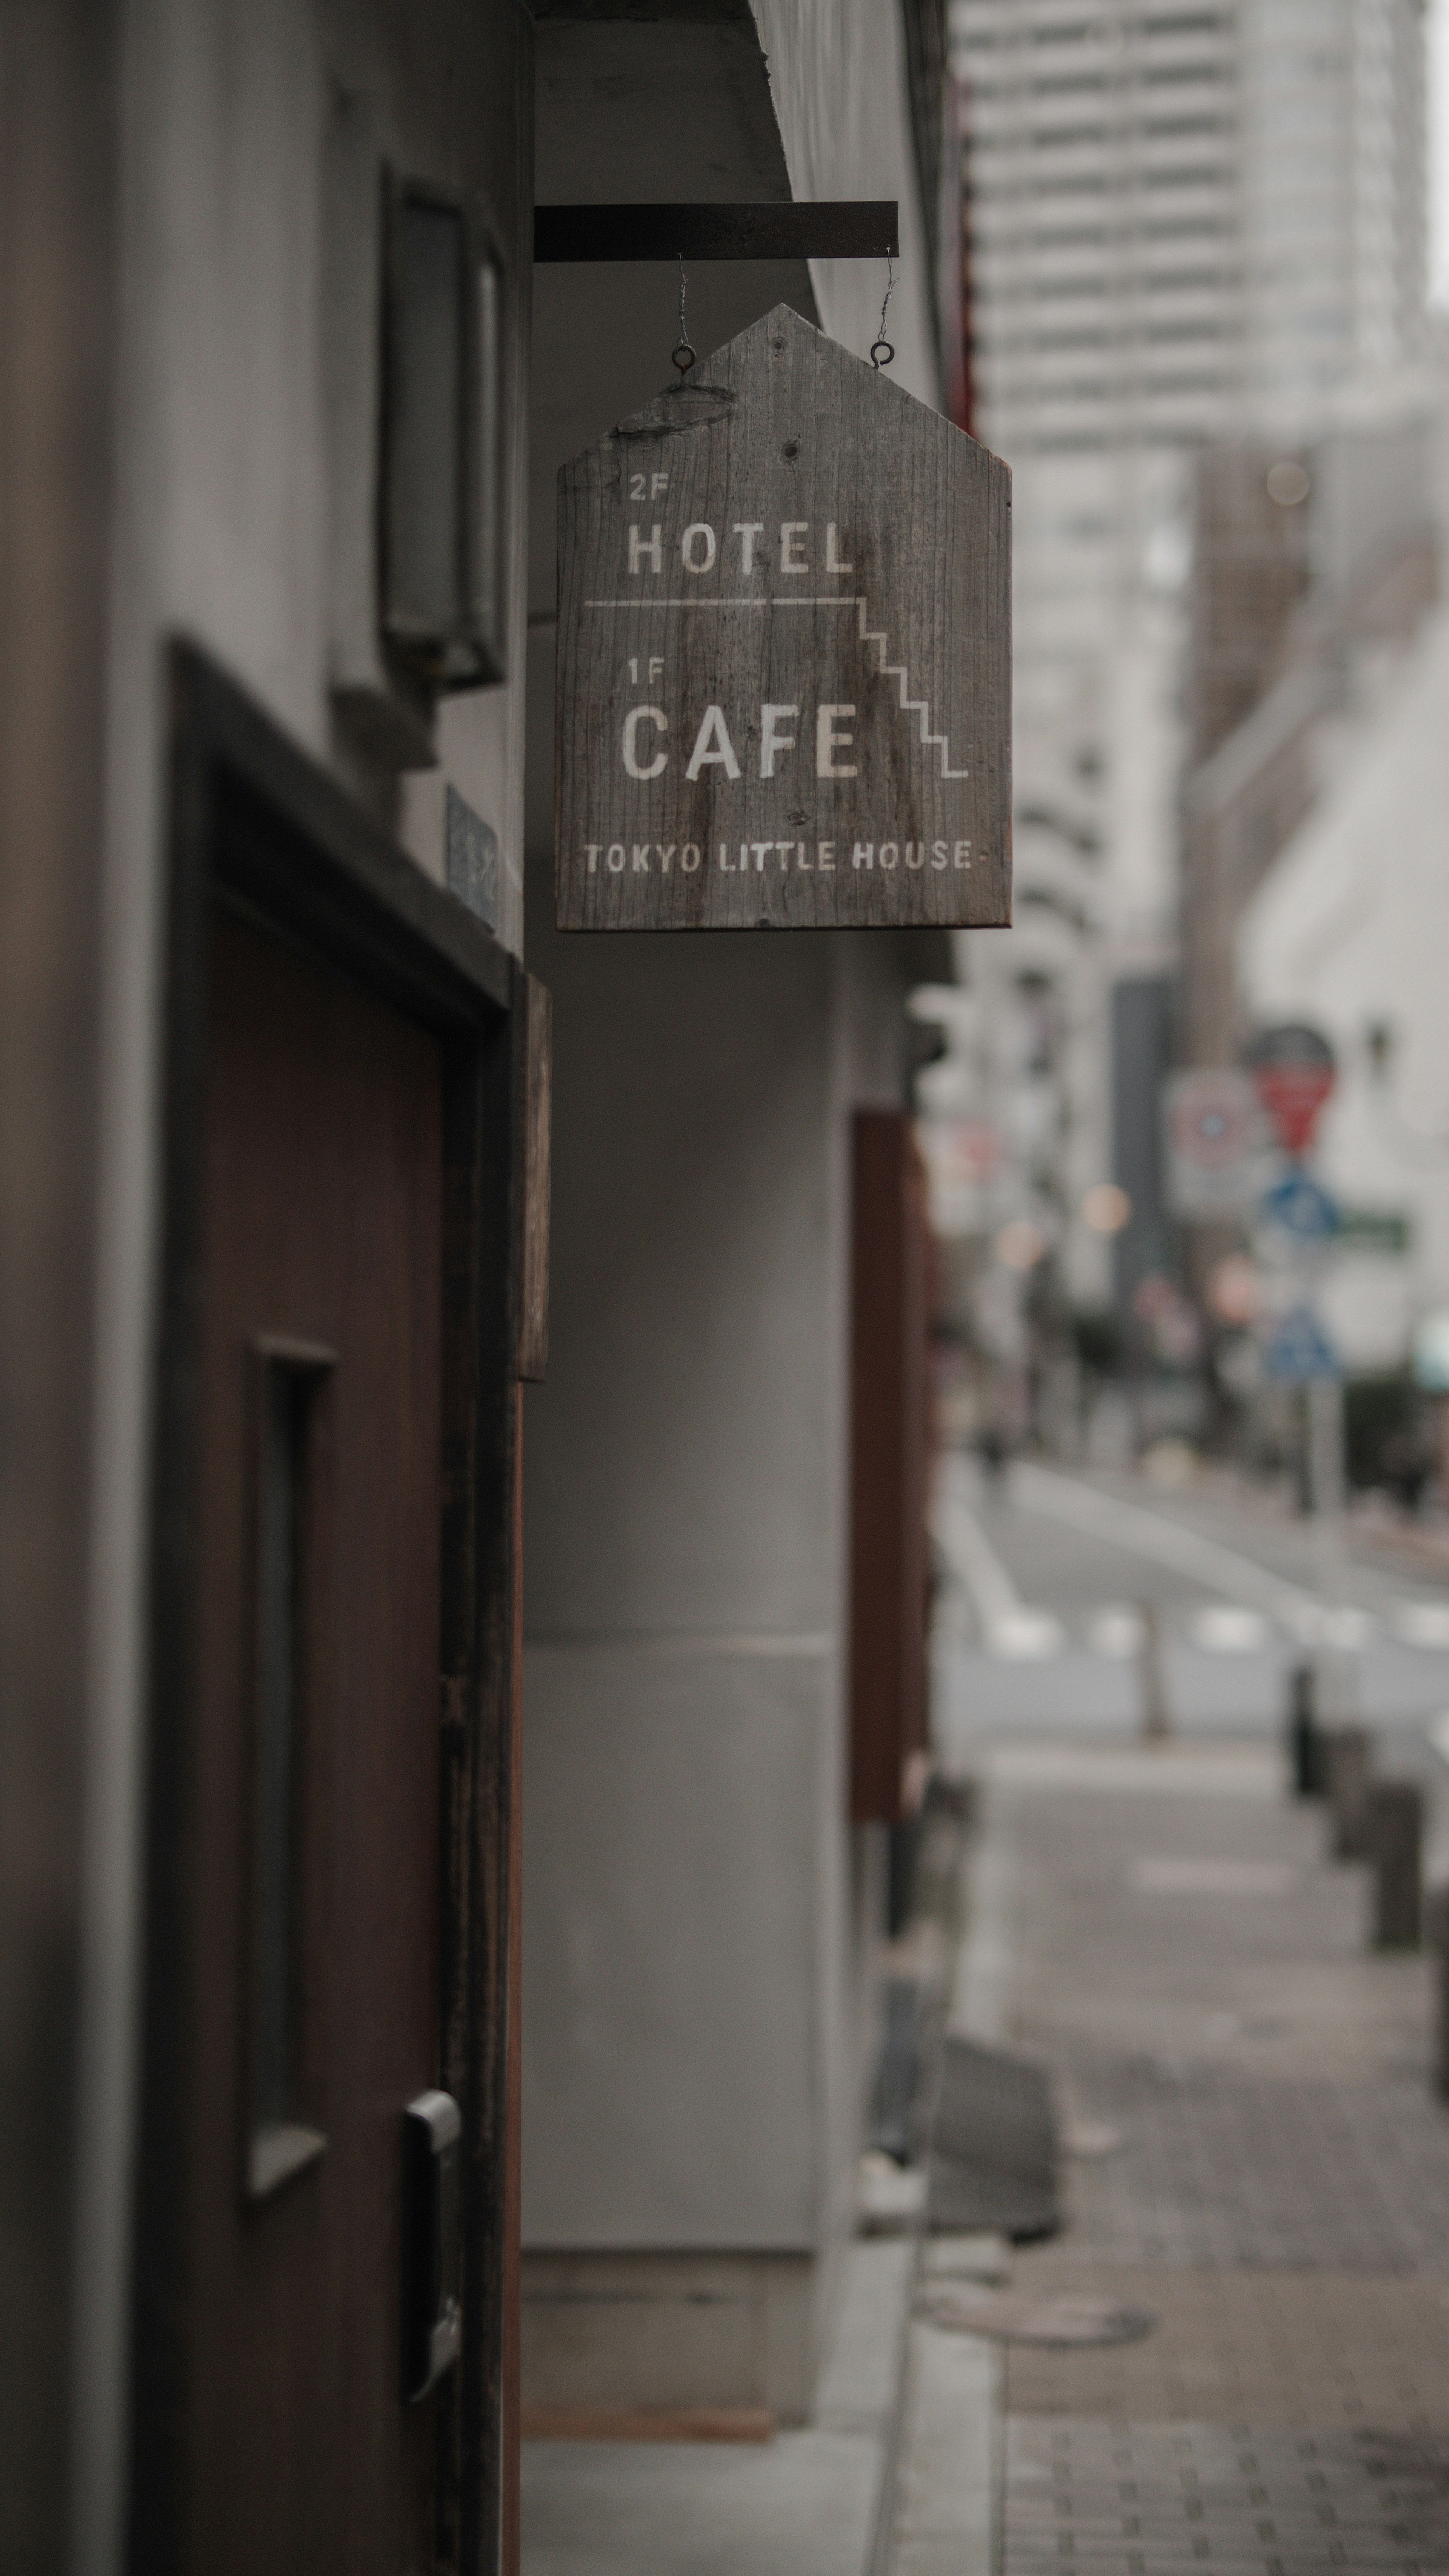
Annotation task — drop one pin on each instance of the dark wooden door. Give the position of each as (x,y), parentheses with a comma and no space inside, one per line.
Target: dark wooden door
(890,1466)
(313,2003)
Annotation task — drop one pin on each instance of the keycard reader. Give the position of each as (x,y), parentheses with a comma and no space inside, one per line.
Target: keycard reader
(432,2130)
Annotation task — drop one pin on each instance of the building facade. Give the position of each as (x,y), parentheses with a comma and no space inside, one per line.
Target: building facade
(1186,225)
(263,1201)
(1340,928)
(284,419)
(702,1921)
(1185,218)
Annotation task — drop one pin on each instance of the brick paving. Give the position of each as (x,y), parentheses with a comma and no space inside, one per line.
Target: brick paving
(1225,2166)
(1194,1971)
(1152,2499)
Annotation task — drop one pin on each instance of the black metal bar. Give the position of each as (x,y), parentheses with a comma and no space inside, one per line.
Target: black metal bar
(834,228)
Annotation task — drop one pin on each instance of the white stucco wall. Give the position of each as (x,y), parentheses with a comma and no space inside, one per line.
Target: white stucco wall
(694,2011)
(839,83)
(1352,927)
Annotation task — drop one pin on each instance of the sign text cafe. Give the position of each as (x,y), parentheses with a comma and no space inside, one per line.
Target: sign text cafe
(784,656)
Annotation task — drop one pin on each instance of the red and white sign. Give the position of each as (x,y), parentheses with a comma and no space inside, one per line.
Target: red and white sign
(1211,1126)
(1293,1075)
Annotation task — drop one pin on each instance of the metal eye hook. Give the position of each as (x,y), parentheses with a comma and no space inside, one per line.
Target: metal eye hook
(684,356)
(881,342)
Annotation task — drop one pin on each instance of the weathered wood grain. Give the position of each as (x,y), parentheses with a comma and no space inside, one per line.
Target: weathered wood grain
(874,582)
(537,1149)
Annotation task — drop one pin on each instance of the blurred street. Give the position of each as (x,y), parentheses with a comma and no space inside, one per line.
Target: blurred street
(1257,2182)
(1053,1580)
(1233,2349)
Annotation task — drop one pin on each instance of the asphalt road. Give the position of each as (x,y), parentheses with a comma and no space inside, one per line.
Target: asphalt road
(1045,1579)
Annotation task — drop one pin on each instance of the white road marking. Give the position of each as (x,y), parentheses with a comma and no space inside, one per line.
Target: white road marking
(1025,1636)
(1226,1628)
(1194,1877)
(1202,1560)
(1236,1771)
(1116,1630)
(1347,1627)
(1421,1623)
(1010,1629)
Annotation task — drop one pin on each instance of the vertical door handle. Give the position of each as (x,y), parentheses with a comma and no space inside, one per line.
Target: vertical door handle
(432,2130)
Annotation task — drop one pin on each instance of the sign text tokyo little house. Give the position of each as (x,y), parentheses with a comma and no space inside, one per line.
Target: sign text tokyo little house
(641,858)
(783,680)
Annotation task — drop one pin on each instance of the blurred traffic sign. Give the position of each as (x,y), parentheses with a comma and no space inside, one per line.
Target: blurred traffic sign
(1300,1208)
(1387,1231)
(1293,1073)
(1299,1350)
(1210,1122)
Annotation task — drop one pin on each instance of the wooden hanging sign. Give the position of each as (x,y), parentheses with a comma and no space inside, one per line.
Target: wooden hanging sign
(784,655)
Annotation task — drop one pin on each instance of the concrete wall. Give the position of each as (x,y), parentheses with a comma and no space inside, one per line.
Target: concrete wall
(685,1583)
(681,1799)
(252,138)
(663,2331)
(701,1926)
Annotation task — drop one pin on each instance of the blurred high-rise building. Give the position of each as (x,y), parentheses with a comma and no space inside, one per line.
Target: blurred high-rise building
(1184,218)
(1185,224)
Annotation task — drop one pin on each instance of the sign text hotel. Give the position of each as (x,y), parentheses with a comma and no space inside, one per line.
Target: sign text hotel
(784,656)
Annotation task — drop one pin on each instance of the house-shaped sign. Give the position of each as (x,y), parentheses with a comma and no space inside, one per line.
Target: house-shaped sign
(784,655)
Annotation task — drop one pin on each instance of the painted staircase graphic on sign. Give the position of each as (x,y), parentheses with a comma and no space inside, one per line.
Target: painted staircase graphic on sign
(868,635)
(912,706)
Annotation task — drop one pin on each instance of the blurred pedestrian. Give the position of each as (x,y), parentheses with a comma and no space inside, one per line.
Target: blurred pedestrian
(994,1453)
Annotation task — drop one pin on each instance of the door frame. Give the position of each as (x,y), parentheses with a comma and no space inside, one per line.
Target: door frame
(259,828)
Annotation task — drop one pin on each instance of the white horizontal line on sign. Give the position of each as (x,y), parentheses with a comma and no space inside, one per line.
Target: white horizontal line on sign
(791,599)
(640,602)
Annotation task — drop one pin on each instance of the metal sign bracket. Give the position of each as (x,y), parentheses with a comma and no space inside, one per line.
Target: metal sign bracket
(831,228)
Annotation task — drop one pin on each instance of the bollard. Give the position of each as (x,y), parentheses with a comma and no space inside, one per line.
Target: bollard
(1305,1743)
(1347,1761)
(1396,1833)
(1436,1933)
(1156,1716)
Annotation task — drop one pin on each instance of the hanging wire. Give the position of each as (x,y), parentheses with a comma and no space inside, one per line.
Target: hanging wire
(684,356)
(881,343)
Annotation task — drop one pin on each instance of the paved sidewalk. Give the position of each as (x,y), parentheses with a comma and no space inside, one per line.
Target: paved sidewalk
(1277,2199)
